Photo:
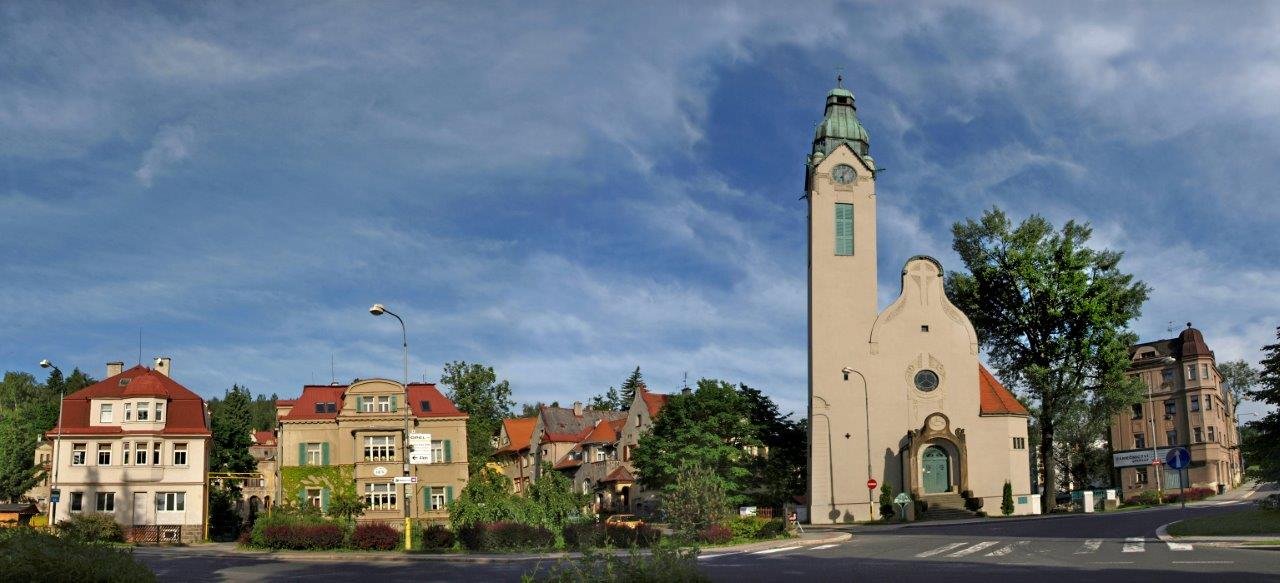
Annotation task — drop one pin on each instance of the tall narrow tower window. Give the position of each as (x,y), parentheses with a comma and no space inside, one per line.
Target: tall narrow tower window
(844,229)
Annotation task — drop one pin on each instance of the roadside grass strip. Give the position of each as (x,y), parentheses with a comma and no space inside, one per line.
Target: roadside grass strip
(1090,546)
(1134,544)
(975,548)
(940,550)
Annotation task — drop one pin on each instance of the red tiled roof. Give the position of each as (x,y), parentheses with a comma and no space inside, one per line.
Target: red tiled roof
(520,432)
(184,410)
(654,401)
(621,474)
(604,432)
(996,399)
(304,407)
(264,438)
(568,461)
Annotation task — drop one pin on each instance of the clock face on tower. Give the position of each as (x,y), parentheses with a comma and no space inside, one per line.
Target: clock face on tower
(843,174)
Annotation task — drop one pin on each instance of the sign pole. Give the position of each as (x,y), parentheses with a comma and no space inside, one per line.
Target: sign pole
(1182,483)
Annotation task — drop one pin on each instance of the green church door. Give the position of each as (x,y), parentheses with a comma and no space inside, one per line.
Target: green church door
(937,470)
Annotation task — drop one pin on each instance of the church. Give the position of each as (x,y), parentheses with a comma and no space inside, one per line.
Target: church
(897,396)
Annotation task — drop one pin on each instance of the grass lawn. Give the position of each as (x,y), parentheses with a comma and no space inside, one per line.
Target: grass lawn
(1244,522)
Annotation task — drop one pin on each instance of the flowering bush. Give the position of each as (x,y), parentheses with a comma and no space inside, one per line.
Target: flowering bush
(716,534)
(375,537)
(301,537)
(1191,495)
(505,536)
(437,537)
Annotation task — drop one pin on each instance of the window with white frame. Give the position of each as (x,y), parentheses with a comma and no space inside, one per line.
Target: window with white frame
(1197,435)
(1208,402)
(160,411)
(125,459)
(1204,371)
(315,497)
(128,412)
(379,448)
(1140,477)
(380,496)
(1212,435)
(1191,372)
(104,413)
(77,501)
(144,411)
(384,403)
(106,502)
(140,453)
(437,452)
(77,453)
(314,455)
(437,498)
(155,453)
(365,404)
(1195,403)
(179,454)
(600,454)
(171,501)
(104,454)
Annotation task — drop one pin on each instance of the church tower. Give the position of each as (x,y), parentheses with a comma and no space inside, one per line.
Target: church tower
(841,188)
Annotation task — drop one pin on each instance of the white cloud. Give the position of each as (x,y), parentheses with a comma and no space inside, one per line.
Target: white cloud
(171,144)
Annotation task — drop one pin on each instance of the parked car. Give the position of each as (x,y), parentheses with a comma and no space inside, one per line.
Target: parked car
(627,520)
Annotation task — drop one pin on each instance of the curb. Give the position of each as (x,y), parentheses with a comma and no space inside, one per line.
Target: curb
(1162,533)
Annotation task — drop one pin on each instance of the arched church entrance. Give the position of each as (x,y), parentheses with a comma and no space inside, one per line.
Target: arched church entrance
(936,467)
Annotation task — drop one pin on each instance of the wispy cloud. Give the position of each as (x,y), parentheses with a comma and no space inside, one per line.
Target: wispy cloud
(172,144)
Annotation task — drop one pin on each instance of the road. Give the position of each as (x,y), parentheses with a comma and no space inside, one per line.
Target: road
(1114,546)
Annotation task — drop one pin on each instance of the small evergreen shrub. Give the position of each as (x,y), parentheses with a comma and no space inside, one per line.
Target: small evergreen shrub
(716,534)
(886,501)
(746,527)
(773,528)
(91,527)
(437,537)
(1006,499)
(375,537)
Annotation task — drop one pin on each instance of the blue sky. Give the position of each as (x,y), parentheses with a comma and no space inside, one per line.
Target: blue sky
(568,193)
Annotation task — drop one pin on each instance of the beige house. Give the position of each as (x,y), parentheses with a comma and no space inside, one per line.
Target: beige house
(514,452)
(39,494)
(352,437)
(898,395)
(1186,407)
(134,446)
(259,493)
(645,407)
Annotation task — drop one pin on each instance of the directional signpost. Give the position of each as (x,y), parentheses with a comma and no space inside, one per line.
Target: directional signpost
(1179,459)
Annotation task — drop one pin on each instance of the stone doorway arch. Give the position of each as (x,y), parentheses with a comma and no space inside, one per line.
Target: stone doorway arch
(937,437)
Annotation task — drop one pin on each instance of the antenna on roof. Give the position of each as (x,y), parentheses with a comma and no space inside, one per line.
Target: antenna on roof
(139,346)
(333,378)
(1169,328)
(686,379)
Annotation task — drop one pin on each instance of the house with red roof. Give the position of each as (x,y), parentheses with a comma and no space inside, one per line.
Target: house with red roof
(360,437)
(514,452)
(257,494)
(135,446)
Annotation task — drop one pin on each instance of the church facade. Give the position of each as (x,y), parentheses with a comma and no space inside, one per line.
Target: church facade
(896,396)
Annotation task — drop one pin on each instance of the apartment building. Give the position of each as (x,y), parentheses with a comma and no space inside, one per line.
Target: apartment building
(134,446)
(352,438)
(259,493)
(1186,406)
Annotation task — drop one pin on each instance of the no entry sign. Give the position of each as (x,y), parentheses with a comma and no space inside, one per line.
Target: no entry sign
(872,483)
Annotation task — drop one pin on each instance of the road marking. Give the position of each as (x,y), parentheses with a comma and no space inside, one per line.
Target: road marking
(1179,546)
(1004,550)
(778,550)
(941,550)
(1090,546)
(1249,494)
(1203,562)
(975,548)
(1111,563)
(1134,544)
(821,547)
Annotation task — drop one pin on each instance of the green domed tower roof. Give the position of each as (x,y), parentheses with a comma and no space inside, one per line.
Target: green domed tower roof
(840,124)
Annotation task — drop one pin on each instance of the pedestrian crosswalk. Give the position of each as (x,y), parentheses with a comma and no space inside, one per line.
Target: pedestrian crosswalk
(997,548)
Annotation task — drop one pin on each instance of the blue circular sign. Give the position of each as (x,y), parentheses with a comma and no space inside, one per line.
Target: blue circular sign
(1178,458)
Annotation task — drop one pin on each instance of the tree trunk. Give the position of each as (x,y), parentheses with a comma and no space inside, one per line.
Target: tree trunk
(1049,474)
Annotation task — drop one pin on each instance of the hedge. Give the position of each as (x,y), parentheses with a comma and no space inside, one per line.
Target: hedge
(375,537)
(505,536)
(437,537)
(302,537)
(91,527)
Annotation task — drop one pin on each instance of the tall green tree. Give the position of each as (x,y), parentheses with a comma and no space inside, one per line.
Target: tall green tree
(710,427)
(232,423)
(1052,314)
(777,468)
(1238,378)
(476,391)
(695,499)
(27,411)
(1261,444)
(629,387)
(609,401)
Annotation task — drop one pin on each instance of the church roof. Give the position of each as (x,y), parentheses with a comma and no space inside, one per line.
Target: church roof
(840,125)
(996,399)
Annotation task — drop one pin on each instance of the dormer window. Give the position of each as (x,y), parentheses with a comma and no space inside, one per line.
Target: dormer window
(319,407)
(424,405)
(144,411)
(104,413)
(384,404)
(365,404)
(159,411)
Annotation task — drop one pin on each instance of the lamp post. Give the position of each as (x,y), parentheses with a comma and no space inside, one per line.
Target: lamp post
(866,409)
(378,310)
(57,442)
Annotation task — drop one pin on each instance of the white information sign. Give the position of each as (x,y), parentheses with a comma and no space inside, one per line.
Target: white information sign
(405,480)
(420,448)
(1137,457)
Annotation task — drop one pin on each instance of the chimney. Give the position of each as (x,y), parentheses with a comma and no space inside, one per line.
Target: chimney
(577,408)
(162,365)
(114,368)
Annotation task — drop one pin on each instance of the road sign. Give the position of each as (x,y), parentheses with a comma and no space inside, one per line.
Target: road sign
(872,483)
(405,479)
(420,448)
(1178,458)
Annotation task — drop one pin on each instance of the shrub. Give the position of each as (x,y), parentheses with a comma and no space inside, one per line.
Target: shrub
(1147,498)
(505,536)
(375,537)
(583,535)
(1006,499)
(696,501)
(91,527)
(886,501)
(1271,503)
(1192,494)
(746,527)
(280,518)
(773,528)
(302,537)
(29,555)
(626,537)
(716,534)
(437,537)
(665,563)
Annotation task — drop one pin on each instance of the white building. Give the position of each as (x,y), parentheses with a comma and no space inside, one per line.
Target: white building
(134,446)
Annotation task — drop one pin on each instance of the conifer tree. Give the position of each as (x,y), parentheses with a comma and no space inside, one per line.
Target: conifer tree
(1261,446)
(629,388)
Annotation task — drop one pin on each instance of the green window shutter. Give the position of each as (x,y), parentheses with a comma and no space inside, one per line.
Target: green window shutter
(448,454)
(324,453)
(324,500)
(426,498)
(395,403)
(302,454)
(844,229)
(302,497)
(448,495)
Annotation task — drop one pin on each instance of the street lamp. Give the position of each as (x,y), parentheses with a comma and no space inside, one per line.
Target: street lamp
(53,483)
(378,310)
(866,407)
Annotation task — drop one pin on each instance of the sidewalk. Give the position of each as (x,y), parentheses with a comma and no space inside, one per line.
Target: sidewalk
(231,549)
